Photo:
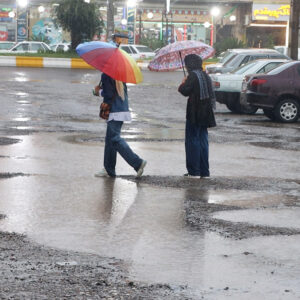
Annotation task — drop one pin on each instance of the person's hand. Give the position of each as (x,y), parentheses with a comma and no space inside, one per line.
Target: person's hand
(183,80)
(96,90)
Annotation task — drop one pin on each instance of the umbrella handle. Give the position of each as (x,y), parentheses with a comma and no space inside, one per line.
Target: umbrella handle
(182,63)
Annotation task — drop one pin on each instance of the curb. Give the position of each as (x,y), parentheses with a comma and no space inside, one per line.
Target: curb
(50,62)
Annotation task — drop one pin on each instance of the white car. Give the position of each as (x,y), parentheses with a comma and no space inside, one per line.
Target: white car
(138,51)
(60,47)
(228,86)
(28,47)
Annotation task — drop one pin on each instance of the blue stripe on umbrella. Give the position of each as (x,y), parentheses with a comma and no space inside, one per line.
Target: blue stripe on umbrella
(89,46)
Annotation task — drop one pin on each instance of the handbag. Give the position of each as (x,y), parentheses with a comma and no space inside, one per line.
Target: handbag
(104,111)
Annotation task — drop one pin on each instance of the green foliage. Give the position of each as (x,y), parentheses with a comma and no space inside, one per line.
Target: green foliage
(81,19)
(152,43)
(228,43)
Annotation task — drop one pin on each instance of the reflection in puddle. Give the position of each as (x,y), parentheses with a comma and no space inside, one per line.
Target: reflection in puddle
(21,119)
(279,217)
(248,198)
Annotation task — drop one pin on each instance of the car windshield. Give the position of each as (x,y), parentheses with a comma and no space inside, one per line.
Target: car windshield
(143,49)
(230,59)
(244,68)
(226,57)
(281,68)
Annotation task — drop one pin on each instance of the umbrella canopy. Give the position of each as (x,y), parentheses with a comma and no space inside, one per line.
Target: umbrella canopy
(170,57)
(110,60)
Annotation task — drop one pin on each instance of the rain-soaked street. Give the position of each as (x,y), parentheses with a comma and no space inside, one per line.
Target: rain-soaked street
(234,236)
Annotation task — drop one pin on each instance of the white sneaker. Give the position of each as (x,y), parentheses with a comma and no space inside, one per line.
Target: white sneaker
(187,175)
(102,173)
(141,169)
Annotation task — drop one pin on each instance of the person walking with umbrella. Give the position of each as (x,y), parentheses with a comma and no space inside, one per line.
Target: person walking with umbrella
(117,68)
(199,116)
(115,97)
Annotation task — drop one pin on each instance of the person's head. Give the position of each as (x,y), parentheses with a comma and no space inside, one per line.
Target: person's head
(193,62)
(118,38)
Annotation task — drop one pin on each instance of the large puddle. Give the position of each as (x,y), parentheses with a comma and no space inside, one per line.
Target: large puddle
(64,206)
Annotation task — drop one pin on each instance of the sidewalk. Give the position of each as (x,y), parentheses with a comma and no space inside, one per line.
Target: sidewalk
(49,62)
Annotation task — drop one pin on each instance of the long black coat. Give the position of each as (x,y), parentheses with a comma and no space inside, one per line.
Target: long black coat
(199,112)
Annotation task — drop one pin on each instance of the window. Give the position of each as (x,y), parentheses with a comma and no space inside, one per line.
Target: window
(133,50)
(269,67)
(243,69)
(22,47)
(144,49)
(281,68)
(245,60)
(126,49)
(298,69)
(36,47)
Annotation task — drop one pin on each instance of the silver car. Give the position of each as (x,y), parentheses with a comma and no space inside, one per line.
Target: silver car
(241,57)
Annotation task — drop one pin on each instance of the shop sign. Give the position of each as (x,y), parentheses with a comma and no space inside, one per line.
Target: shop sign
(131,24)
(271,12)
(22,28)
(3,33)
(4,17)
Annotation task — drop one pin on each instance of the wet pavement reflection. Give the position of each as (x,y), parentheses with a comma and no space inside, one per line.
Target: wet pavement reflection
(62,205)
(54,144)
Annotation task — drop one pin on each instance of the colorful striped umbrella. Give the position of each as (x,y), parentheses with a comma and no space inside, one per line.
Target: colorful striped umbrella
(171,57)
(110,60)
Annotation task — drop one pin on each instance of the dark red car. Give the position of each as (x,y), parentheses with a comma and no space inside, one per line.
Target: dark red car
(277,92)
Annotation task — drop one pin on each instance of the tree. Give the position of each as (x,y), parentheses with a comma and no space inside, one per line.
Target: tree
(110,19)
(80,18)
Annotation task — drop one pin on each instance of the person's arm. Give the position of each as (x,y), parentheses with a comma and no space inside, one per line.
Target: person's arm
(187,86)
(108,89)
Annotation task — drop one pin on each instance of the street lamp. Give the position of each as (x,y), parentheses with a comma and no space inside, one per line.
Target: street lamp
(214,12)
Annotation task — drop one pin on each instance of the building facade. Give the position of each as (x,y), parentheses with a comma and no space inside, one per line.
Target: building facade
(258,22)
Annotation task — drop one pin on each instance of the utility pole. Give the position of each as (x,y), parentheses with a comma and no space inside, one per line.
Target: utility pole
(294,29)
(110,19)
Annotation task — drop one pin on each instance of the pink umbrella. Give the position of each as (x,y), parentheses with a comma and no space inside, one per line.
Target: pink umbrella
(170,57)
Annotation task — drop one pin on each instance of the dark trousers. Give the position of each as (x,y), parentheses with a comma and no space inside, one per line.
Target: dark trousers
(196,150)
(113,144)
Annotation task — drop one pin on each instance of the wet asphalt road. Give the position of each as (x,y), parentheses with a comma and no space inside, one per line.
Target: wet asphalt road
(244,221)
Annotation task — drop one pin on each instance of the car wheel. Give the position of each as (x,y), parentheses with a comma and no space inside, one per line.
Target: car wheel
(270,114)
(287,111)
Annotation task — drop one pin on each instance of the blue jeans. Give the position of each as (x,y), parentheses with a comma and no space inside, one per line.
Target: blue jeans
(196,150)
(113,144)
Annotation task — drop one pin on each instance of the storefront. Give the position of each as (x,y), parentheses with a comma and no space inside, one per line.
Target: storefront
(269,26)
(7,23)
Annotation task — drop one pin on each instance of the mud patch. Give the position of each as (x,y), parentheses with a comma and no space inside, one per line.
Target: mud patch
(37,272)
(8,141)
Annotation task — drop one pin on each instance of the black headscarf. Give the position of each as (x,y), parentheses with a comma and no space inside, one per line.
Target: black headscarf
(193,62)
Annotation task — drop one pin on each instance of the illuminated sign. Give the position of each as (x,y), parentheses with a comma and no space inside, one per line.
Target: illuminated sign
(271,12)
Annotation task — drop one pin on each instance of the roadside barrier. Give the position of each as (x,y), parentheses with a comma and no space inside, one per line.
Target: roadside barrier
(50,62)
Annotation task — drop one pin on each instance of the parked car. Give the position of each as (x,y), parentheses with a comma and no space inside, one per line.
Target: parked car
(138,51)
(284,50)
(228,86)
(240,58)
(28,47)
(6,45)
(277,92)
(60,47)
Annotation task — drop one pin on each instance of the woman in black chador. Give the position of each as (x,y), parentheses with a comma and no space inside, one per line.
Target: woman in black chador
(199,116)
